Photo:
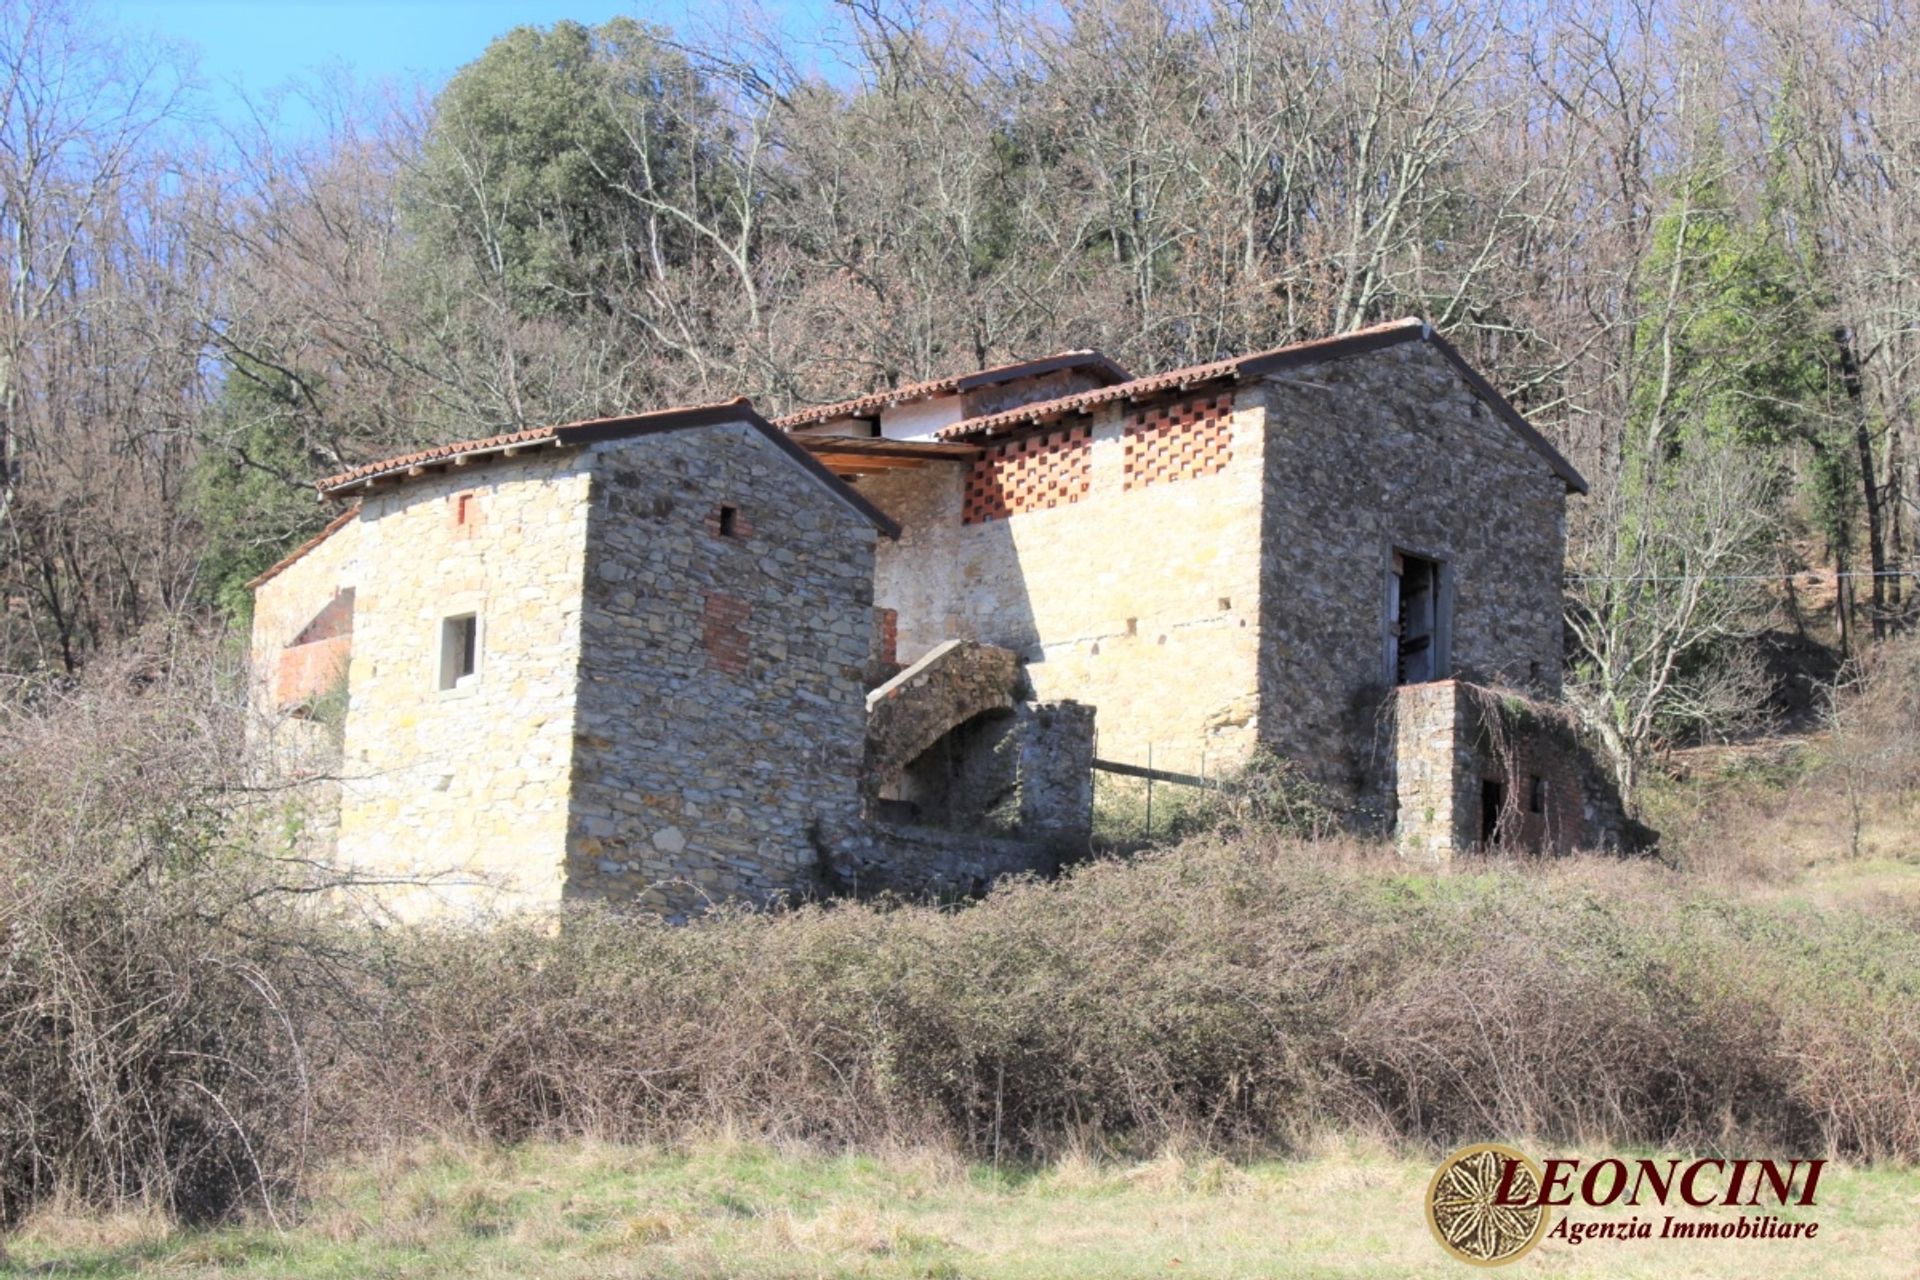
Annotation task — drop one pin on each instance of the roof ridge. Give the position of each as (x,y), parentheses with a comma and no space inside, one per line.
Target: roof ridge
(593,430)
(1075,358)
(529,435)
(1362,339)
(1339,346)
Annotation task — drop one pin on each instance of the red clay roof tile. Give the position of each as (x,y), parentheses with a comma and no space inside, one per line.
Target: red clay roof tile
(869,404)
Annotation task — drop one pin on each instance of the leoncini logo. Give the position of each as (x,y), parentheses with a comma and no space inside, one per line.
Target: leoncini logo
(1489,1204)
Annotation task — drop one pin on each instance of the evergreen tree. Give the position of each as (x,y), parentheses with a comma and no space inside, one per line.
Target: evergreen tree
(251,487)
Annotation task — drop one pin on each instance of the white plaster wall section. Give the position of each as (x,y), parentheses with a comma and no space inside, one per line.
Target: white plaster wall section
(920,419)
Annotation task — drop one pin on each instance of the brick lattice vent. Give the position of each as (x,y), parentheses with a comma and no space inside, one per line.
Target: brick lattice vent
(1182,441)
(1046,469)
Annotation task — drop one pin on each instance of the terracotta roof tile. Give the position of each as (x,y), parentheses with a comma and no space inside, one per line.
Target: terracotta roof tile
(862,406)
(1174,379)
(593,430)
(1295,355)
(533,436)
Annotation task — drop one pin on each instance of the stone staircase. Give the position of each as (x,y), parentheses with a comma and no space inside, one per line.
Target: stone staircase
(952,684)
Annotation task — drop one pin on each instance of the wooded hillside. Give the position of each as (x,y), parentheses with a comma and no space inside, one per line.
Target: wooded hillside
(1681,237)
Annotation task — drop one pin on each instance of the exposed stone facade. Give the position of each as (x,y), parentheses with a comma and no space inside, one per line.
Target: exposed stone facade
(681,724)
(294,663)
(1139,602)
(1479,770)
(1006,790)
(1237,595)
(721,713)
(1365,457)
(465,789)
(949,685)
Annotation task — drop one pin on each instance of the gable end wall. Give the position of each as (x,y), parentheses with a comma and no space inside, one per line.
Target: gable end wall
(722,712)
(1369,454)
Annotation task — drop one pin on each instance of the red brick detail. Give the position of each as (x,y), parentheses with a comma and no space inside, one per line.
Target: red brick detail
(1560,825)
(315,660)
(1045,469)
(336,619)
(742,527)
(463,513)
(1181,441)
(723,633)
(889,620)
(305,672)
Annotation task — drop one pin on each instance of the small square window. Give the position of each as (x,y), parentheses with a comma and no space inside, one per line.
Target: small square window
(459,650)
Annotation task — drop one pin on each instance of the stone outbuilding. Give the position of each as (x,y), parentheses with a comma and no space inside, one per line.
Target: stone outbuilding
(692,655)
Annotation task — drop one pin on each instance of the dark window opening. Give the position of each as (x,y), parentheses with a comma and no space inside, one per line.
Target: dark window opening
(729,522)
(1415,619)
(1493,797)
(459,650)
(1537,795)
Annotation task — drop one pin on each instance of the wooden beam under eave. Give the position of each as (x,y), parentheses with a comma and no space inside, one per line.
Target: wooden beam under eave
(874,462)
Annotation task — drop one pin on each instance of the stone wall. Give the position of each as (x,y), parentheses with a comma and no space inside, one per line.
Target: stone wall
(1435,772)
(1056,776)
(1140,602)
(1370,455)
(933,862)
(966,783)
(1479,770)
(300,647)
(466,788)
(1007,792)
(1236,591)
(722,706)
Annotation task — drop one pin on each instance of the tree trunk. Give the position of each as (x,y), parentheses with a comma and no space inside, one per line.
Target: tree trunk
(1869,486)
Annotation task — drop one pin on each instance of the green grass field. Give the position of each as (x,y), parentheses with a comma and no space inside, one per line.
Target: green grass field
(734,1210)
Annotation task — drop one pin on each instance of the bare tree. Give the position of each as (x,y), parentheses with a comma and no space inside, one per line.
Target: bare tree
(1666,590)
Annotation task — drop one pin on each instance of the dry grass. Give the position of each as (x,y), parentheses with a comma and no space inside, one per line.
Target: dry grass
(738,1210)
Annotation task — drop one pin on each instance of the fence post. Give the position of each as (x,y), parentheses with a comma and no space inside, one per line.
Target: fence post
(1149,791)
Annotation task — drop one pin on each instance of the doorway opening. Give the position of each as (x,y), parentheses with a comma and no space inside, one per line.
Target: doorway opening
(1493,798)
(1416,620)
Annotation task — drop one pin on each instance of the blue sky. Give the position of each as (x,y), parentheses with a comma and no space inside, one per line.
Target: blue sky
(248,49)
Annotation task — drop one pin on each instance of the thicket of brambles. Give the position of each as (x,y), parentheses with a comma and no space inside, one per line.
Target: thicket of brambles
(1676,234)
(186,1021)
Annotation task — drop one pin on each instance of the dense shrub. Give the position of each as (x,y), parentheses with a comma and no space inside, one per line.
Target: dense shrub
(150,961)
(1227,993)
(183,1021)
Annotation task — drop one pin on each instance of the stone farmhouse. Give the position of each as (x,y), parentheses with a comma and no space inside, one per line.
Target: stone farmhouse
(693,654)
